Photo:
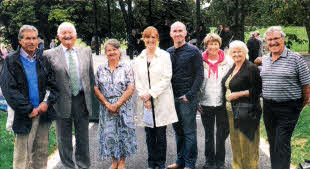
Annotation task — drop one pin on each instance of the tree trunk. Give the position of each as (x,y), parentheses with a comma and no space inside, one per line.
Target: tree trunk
(150,13)
(239,13)
(109,19)
(127,16)
(308,33)
(198,22)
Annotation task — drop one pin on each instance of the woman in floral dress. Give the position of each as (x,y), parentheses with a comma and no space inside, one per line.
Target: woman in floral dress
(114,87)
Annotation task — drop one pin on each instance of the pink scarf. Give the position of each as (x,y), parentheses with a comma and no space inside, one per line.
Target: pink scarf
(213,66)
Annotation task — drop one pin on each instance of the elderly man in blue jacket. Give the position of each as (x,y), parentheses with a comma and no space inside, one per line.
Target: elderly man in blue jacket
(26,77)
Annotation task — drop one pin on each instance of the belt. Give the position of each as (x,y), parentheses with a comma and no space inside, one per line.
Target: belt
(282,102)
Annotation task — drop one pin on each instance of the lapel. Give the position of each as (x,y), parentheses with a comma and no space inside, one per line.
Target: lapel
(62,58)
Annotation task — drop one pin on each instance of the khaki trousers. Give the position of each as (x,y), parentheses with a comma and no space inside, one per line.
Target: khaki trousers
(31,150)
(245,152)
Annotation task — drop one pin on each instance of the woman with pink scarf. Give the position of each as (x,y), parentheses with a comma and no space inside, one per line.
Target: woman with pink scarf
(212,103)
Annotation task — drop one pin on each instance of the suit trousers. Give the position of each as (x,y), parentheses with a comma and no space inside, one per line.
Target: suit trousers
(208,116)
(31,150)
(280,119)
(79,118)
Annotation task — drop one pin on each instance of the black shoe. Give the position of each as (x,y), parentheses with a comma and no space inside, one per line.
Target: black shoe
(209,166)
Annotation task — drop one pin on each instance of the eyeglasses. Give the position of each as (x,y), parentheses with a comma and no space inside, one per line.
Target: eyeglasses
(237,52)
(274,39)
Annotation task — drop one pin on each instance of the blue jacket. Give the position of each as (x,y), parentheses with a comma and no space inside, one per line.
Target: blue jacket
(16,92)
(187,71)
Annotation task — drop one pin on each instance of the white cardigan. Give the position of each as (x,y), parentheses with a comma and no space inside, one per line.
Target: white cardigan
(161,88)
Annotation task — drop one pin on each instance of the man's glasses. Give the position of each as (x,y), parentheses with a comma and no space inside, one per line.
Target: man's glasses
(274,39)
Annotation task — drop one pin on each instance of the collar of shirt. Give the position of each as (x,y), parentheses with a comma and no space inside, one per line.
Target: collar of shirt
(283,55)
(66,49)
(26,56)
(181,47)
(120,64)
(157,53)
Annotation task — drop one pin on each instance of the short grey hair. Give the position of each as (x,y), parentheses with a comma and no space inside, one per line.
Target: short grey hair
(178,23)
(273,29)
(66,25)
(25,28)
(238,44)
(113,42)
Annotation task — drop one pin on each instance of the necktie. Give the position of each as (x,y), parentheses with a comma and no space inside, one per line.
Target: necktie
(73,74)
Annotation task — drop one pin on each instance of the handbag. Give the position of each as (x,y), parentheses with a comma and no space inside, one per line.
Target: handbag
(148,117)
(242,110)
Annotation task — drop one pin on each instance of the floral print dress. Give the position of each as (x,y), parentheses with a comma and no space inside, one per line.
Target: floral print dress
(116,132)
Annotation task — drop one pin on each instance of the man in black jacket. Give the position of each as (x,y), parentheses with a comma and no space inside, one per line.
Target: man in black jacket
(253,46)
(187,77)
(25,78)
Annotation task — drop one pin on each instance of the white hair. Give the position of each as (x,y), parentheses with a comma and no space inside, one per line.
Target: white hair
(66,25)
(273,29)
(238,44)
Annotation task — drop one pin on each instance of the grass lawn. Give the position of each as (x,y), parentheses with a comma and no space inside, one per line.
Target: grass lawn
(7,143)
(299,31)
(301,137)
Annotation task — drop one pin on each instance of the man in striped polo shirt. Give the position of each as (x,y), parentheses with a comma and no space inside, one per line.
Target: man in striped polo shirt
(286,90)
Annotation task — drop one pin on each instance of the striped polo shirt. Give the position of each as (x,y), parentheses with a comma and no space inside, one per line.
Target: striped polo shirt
(284,79)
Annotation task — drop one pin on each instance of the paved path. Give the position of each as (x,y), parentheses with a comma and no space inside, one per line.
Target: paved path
(139,160)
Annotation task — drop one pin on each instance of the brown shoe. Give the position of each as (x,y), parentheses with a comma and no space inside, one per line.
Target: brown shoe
(173,166)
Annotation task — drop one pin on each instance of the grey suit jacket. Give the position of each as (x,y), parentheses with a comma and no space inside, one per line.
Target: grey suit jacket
(57,58)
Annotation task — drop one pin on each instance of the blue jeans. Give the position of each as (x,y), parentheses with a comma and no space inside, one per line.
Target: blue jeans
(186,133)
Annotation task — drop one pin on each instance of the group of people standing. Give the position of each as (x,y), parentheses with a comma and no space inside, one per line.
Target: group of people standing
(171,87)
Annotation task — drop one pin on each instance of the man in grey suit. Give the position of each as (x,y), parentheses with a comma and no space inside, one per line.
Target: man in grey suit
(75,79)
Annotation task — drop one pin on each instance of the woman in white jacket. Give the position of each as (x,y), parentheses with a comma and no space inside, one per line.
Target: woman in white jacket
(153,72)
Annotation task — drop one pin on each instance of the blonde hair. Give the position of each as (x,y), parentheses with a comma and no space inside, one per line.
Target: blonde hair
(212,37)
(238,44)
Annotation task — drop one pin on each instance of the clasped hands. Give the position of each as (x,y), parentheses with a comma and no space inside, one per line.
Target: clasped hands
(146,98)
(41,109)
(112,108)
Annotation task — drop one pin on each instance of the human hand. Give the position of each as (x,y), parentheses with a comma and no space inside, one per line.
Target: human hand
(42,108)
(112,108)
(183,98)
(34,113)
(258,61)
(145,97)
(148,104)
(233,96)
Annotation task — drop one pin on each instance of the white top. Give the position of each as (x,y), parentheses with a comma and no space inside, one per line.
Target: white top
(211,89)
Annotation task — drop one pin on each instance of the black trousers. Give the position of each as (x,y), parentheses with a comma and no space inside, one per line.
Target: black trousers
(208,116)
(156,142)
(280,120)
